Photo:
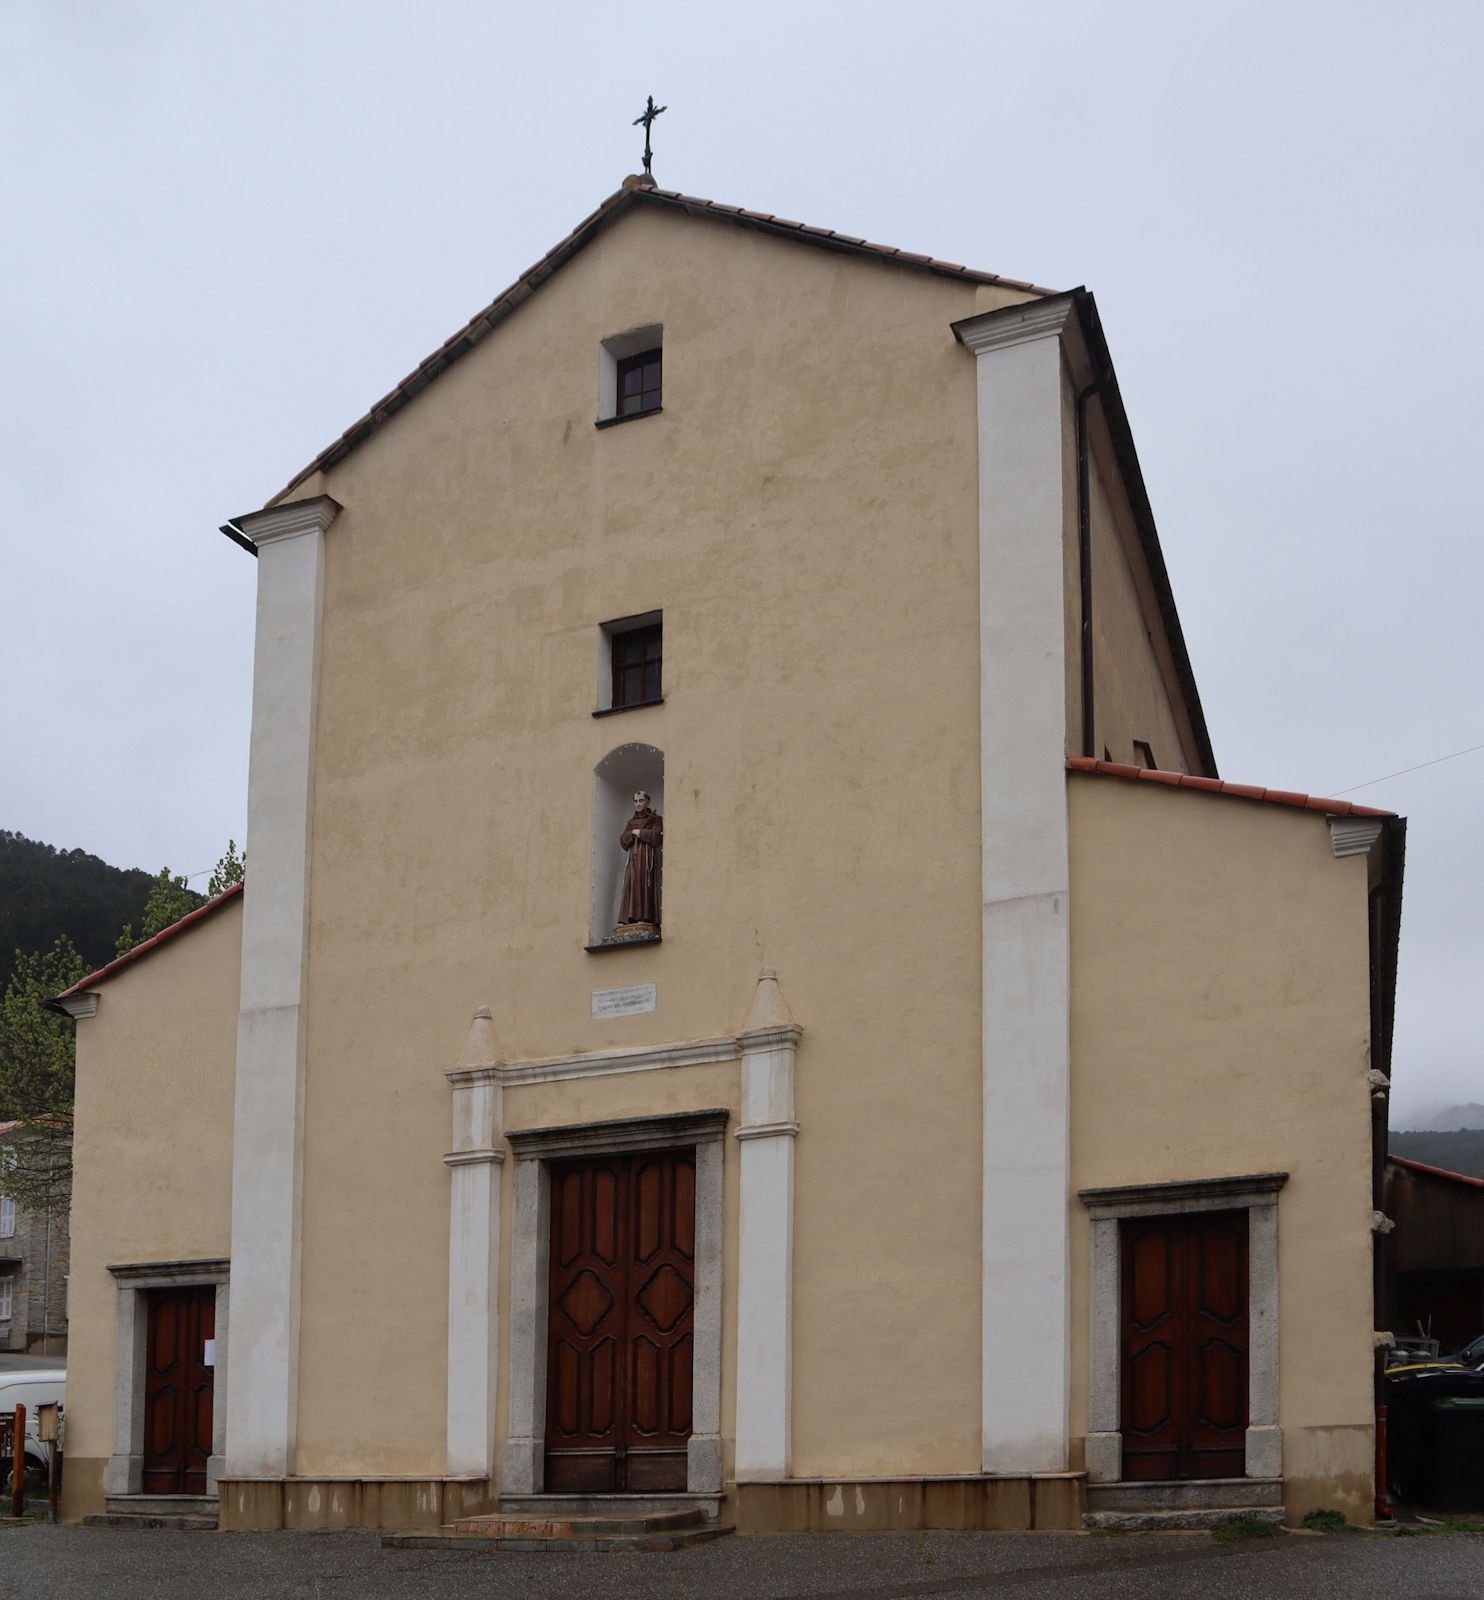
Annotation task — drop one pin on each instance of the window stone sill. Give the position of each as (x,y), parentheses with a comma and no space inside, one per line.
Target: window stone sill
(638,705)
(633,416)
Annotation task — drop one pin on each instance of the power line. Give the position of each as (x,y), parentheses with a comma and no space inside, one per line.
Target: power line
(1437,761)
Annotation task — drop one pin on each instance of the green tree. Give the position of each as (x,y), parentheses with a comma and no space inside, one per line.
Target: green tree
(169,900)
(36,1075)
(229,870)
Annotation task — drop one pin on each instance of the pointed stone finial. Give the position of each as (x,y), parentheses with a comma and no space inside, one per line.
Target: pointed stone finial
(479,1048)
(769,1009)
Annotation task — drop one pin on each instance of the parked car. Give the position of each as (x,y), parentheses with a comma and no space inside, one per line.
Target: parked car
(32,1389)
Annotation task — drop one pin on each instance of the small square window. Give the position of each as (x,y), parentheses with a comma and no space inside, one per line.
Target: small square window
(631,663)
(639,383)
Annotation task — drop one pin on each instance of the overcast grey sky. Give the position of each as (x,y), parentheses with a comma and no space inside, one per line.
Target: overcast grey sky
(230,226)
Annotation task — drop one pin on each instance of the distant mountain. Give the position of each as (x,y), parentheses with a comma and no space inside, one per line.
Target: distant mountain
(1459,1150)
(1454,1118)
(45,892)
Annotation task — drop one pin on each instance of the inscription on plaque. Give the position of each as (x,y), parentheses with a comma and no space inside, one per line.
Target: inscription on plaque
(627,1002)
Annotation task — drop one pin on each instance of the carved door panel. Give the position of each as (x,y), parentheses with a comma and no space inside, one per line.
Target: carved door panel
(1184,1411)
(178,1395)
(620,1317)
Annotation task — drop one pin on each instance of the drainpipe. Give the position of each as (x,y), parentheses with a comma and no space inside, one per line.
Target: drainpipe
(1084,562)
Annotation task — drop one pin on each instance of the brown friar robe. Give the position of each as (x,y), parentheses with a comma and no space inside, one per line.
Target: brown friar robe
(641,873)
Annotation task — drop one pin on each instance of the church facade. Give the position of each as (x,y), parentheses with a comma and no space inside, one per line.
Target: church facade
(749,992)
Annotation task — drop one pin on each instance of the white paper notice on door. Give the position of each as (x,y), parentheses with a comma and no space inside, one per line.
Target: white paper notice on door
(208,1358)
(636,999)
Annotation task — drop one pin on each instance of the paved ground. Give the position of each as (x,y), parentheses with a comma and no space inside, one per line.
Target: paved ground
(67,1563)
(11,1362)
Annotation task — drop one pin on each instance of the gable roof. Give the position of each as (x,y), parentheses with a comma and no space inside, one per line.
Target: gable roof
(633,195)
(1435,1172)
(1239,791)
(149,946)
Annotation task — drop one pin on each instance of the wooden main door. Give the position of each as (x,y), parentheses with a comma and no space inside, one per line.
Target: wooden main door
(620,1313)
(1185,1346)
(178,1389)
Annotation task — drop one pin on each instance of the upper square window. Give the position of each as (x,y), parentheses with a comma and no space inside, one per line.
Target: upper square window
(630,663)
(630,370)
(639,383)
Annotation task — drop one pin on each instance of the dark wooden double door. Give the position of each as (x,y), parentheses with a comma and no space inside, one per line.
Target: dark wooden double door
(620,1312)
(1184,1412)
(178,1385)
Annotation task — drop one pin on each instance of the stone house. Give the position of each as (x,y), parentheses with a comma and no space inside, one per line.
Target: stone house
(974,1130)
(34,1250)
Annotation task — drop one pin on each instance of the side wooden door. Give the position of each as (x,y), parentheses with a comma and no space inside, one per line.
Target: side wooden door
(1184,1346)
(620,1313)
(178,1394)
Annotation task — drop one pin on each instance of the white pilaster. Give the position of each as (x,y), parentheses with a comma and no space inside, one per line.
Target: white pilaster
(474,1252)
(267,1152)
(1026,506)
(769,1041)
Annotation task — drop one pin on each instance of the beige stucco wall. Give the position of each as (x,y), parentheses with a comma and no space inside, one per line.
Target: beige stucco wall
(1219,1027)
(1134,689)
(804,512)
(152,1155)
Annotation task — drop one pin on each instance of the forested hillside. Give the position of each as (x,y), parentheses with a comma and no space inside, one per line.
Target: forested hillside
(45,892)
(1461,1151)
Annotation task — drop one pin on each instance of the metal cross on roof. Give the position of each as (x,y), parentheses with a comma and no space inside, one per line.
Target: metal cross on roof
(651,111)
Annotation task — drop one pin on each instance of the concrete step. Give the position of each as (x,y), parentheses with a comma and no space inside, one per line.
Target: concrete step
(531,1525)
(580,1541)
(607,1505)
(1177,1520)
(1186,1494)
(126,1520)
(162,1505)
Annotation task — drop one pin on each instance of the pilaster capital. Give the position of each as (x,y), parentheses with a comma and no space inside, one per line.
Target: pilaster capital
(1054,317)
(785,1037)
(1354,836)
(288,521)
(79,1005)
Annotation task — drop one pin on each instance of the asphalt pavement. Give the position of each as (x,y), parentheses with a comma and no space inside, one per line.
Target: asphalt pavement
(74,1563)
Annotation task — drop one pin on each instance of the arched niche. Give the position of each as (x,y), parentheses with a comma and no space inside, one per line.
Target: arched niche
(615,779)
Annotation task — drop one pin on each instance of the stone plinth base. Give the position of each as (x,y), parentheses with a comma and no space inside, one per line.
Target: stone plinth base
(1048,1502)
(256,1505)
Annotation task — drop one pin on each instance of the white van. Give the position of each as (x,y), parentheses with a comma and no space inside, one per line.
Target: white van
(31,1389)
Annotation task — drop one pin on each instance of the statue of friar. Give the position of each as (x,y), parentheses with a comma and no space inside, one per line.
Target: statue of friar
(639,912)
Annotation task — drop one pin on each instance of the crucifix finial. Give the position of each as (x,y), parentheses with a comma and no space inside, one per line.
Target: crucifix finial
(651,111)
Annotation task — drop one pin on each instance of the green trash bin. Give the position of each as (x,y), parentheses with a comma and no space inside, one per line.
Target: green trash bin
(1454,1450)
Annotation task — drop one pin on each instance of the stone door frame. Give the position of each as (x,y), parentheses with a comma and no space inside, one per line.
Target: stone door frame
(124,1472)
(1257,1194)
(524,1461)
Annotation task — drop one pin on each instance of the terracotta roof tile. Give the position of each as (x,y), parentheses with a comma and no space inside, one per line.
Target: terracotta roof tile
(188,921)
(1238,791)
(485,321)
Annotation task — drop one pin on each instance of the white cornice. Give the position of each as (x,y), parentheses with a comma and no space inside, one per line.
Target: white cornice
(768,1130)
(472,1158)
(1353,836)
(1037,319)
(770,1038)
(598,1063)
(80,1005)
(289,521)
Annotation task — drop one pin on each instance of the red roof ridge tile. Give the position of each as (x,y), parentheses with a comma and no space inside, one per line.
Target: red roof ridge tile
(189,920)
(1238,791)
(1435,1172)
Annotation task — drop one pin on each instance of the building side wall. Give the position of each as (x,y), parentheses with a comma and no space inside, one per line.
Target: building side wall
(152,1155)
(1220,1027)
(1134,692)
(804,513)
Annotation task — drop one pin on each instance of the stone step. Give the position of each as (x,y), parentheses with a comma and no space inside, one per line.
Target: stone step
(137,1521)
(1191,1493)
(607,1505)
(1177,1520)
(581,1542)
(161,1505)
(533,1525)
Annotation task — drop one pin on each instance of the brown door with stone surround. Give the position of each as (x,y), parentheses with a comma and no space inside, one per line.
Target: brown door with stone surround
(178,1389)
(620,1314)
(1184,1411)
